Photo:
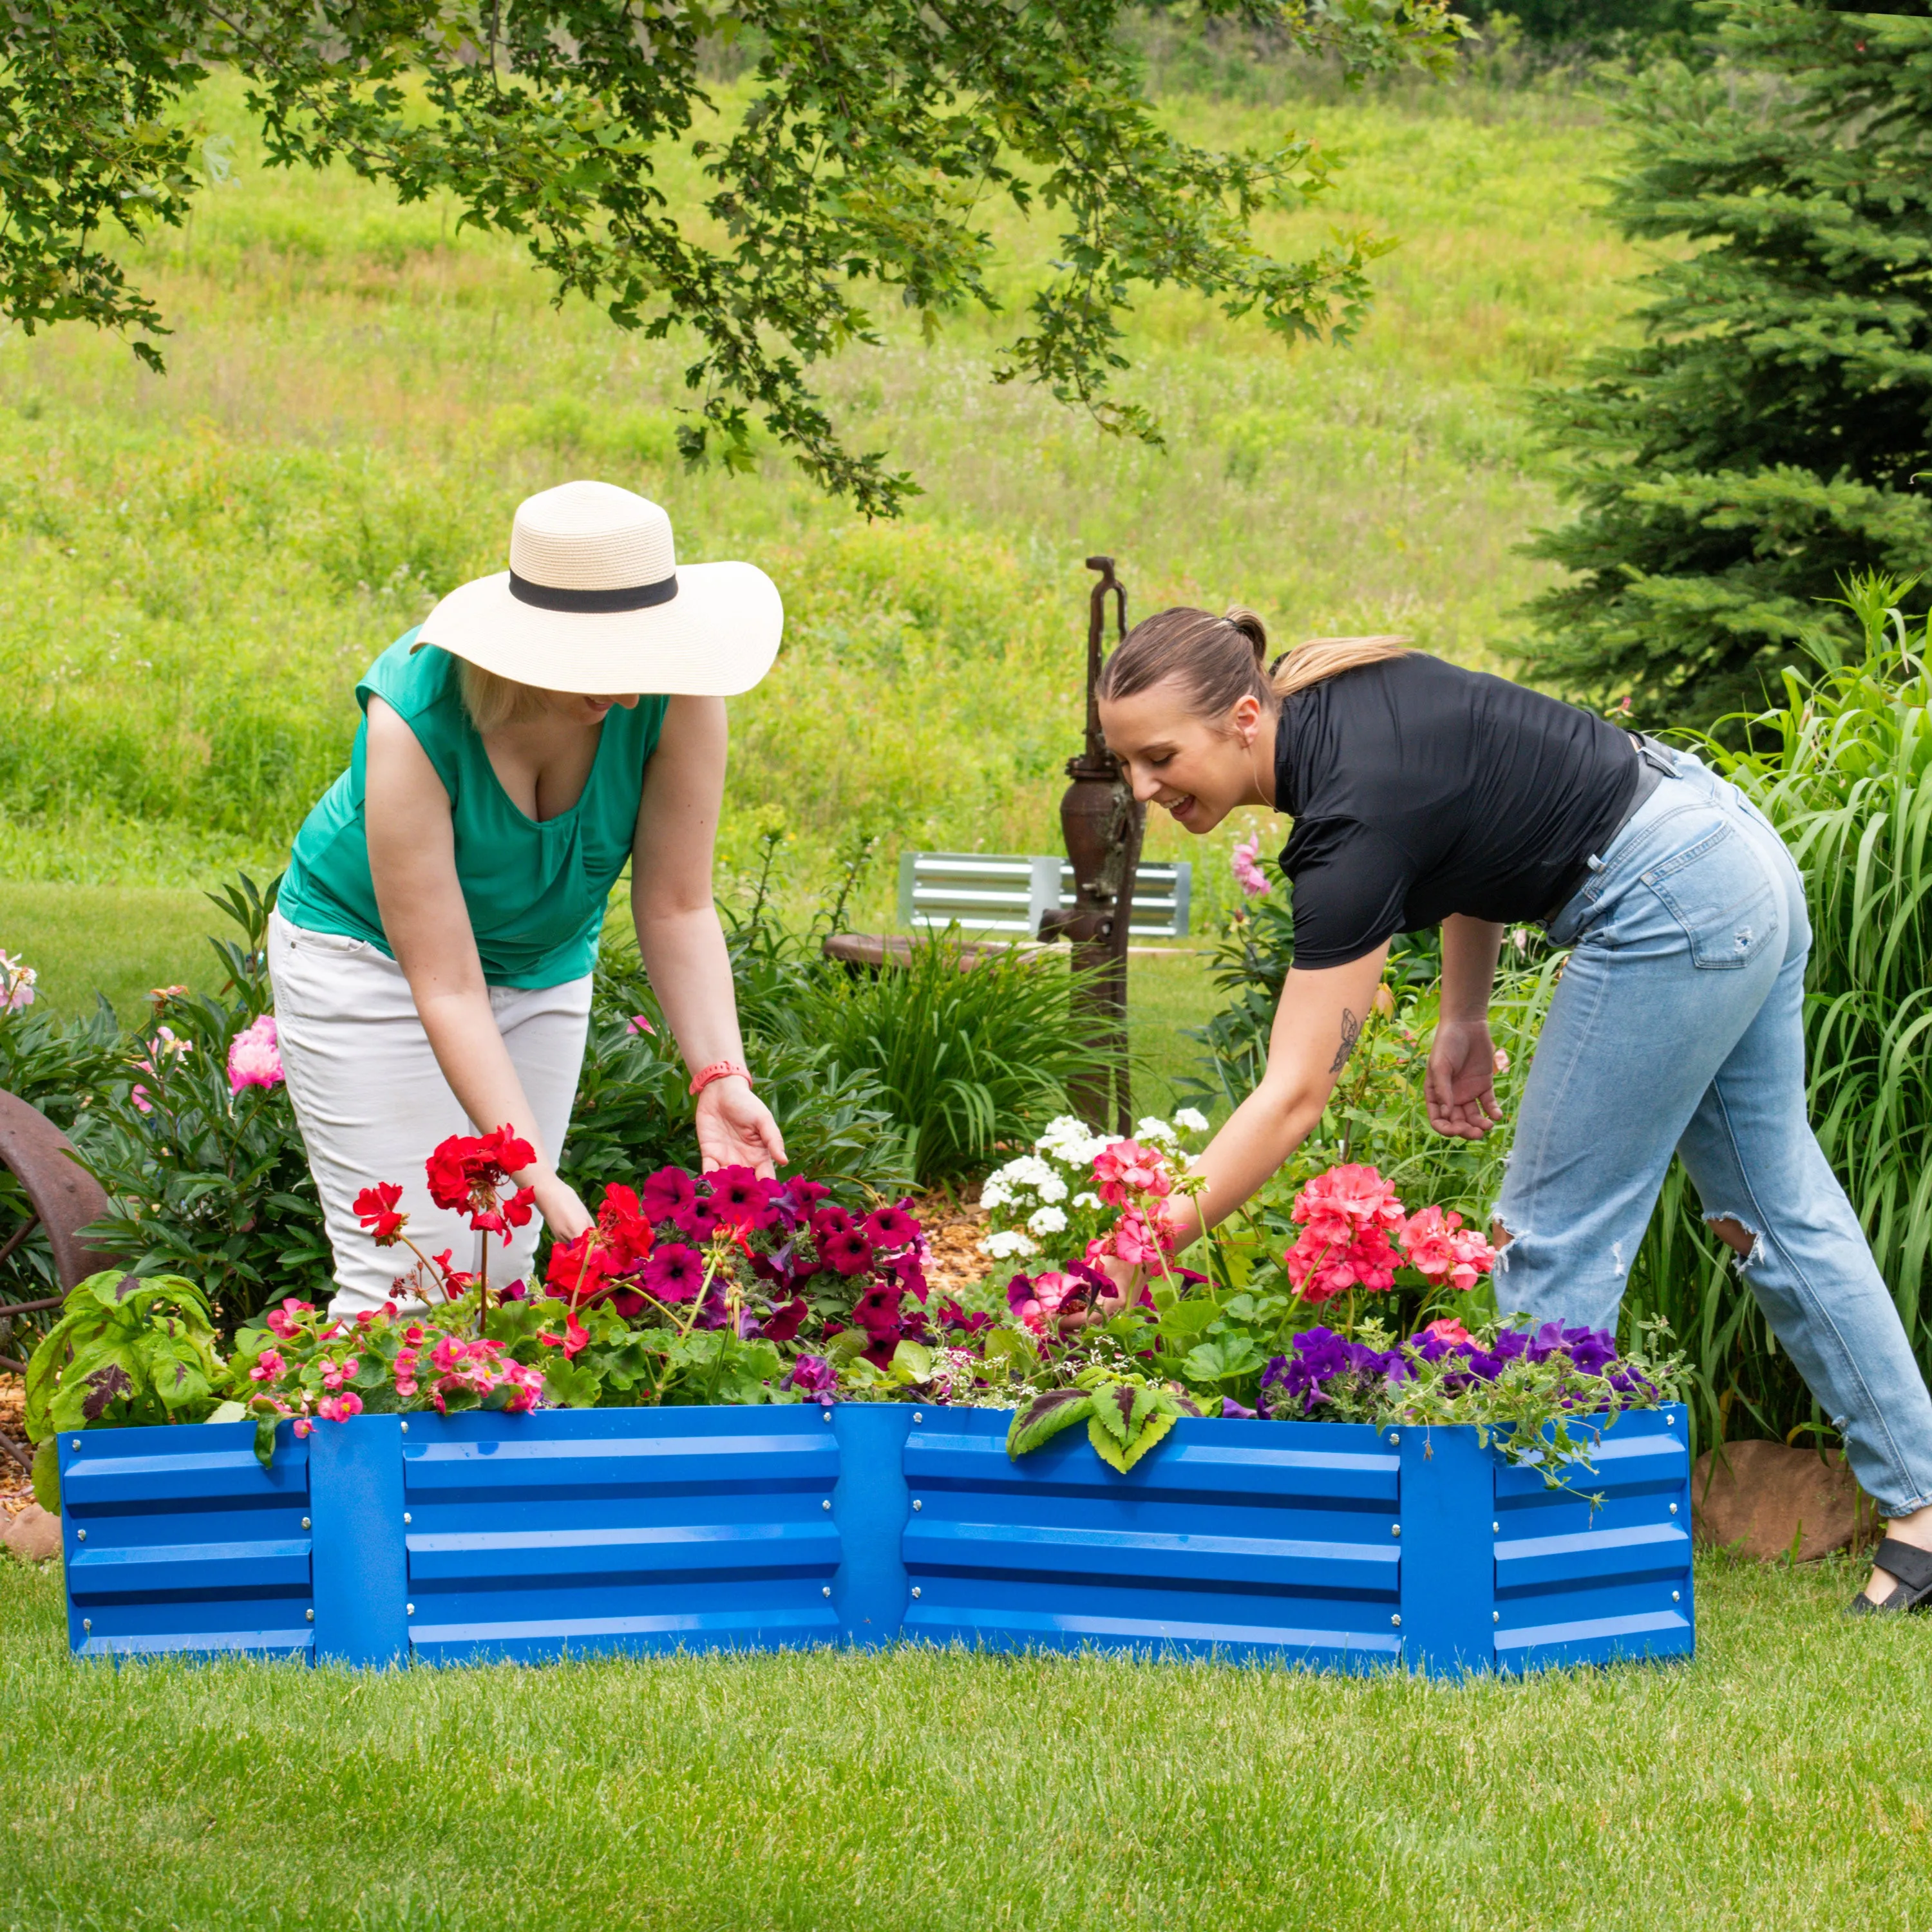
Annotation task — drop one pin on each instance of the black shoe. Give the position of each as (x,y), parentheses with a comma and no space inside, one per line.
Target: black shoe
(1912,1567)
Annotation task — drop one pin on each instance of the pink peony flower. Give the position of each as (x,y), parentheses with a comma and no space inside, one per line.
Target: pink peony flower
(16,984)
(254,1059)
(1248,875)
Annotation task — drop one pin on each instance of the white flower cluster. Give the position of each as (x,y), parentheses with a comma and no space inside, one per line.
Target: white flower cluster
(1034,1193)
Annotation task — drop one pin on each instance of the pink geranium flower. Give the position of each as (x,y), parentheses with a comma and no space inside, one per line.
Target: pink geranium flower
(1347,1215)
(1123,1171)
(254,1058)
(1440,1247)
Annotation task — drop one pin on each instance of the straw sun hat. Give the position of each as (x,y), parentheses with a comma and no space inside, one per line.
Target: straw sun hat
(594,600)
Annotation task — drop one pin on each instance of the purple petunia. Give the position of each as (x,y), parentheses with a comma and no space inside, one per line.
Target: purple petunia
(814,1378)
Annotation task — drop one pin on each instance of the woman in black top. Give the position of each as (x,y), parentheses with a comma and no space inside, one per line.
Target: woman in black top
(1423,794)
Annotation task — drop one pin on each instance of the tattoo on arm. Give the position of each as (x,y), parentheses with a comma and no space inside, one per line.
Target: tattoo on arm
(1352,1031)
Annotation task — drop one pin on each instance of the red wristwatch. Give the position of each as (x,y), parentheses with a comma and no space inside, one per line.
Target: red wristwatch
(718,1069)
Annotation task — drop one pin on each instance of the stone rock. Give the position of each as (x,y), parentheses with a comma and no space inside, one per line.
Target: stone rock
(33,1536)
(1763,1495)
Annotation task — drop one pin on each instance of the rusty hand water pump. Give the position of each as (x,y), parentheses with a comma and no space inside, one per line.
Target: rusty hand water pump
(1101,823)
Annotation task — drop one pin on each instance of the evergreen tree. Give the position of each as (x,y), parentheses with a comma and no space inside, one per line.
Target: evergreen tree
(1766,437)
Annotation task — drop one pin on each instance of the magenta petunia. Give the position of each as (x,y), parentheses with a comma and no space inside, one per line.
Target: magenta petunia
(674,1273)
(668,1192)
(850,1253)
(891,1227)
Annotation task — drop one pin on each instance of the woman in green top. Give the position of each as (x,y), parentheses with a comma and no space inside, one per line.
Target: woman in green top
(432,947)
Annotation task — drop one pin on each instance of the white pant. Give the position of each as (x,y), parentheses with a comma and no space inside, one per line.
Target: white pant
(371,1102)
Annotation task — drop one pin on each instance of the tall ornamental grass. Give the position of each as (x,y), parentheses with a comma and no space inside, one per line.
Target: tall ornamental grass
(1843,769)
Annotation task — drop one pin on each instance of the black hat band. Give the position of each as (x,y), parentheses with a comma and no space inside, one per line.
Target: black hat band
(633,597)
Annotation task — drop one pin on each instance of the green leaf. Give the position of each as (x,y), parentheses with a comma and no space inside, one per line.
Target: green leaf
(47,1476)
(229,1411)
(1187,1317)
(265,1441)
(913,1360)
(572,1384)
(1044,1417)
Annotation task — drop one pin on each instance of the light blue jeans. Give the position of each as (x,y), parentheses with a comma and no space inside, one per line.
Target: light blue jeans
(1679,1025)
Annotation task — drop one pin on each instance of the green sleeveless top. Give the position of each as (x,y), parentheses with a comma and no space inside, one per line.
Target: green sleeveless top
(535,889)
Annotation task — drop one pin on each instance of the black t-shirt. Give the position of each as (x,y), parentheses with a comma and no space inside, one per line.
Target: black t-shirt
(1419,789)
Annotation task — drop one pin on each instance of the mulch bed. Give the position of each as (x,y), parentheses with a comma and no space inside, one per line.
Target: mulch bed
(16,1493)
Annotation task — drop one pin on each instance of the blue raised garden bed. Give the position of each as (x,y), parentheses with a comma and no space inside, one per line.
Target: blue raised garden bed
(476,1536)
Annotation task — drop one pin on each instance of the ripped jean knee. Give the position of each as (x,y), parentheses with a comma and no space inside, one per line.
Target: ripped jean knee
(1745,1241)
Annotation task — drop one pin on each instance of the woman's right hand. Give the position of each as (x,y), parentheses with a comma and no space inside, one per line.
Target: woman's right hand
(1460,1086)
(564,1214)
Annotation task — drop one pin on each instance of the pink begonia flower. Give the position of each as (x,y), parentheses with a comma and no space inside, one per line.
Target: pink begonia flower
(269,1364)
(334,1374)
(254,1058)
(1124,1169)
(303,1427)
(339,1407)
(1248,875)
(282,1321)
(16,984)
(639,1024)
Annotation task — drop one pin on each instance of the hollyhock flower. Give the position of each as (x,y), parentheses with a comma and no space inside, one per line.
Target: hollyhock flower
(269,1364)
(17,981)
(254,1058)
(850,1253)
(1248,875)
(668,1193)
(339,1407)
(674,1273)
(814,1377)
(890,1228)
(376,1209)
(740,1200)
(282,1320)
(1125,1170)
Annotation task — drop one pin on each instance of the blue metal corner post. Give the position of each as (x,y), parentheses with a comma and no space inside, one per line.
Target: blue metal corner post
(872,1506)
(361,1561)
(1448,1551)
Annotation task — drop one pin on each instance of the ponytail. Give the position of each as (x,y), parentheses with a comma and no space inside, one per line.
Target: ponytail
(1219,660)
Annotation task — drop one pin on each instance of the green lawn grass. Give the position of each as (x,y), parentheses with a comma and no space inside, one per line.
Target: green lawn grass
(121,941)
(194,568)
(1779,1781)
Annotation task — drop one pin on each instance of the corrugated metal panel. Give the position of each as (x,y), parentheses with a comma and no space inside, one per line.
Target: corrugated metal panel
(1246,1539)
(1575,1585)
(178,1539)
(619,1530)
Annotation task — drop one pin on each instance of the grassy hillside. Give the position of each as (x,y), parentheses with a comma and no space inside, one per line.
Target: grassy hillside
(193,568)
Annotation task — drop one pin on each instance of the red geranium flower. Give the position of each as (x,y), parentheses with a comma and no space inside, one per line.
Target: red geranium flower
(624,1229)
(466,1174)
(376,1209)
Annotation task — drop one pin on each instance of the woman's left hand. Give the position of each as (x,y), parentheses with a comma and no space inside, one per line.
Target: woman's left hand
(735,1129)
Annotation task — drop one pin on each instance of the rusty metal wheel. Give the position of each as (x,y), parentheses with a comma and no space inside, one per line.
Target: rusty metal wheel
(62,1196)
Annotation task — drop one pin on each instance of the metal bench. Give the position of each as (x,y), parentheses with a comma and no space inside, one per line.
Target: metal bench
(991,892)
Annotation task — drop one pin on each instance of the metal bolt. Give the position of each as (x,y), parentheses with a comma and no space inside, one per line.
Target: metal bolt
(827,1591)
(917,1504)
(915,1589)
(80,1535)
(305,1523)
(1394,1437)
(1396,1619)
(77,1442)
(406,1429)
(87,1623)
(1495,1616)
(310,1614)
(1676,1596)
(826,1503)
(409,1610)
(1395,1529)
(917,1417)
(1673,1509)
(825,1413)
(1670,1422)
(407,1517)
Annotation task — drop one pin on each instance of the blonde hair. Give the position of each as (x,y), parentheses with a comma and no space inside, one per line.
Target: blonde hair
(1219,660)
(493,702)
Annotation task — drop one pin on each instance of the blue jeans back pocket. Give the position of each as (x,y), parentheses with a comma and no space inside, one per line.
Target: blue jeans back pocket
(1716,890)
